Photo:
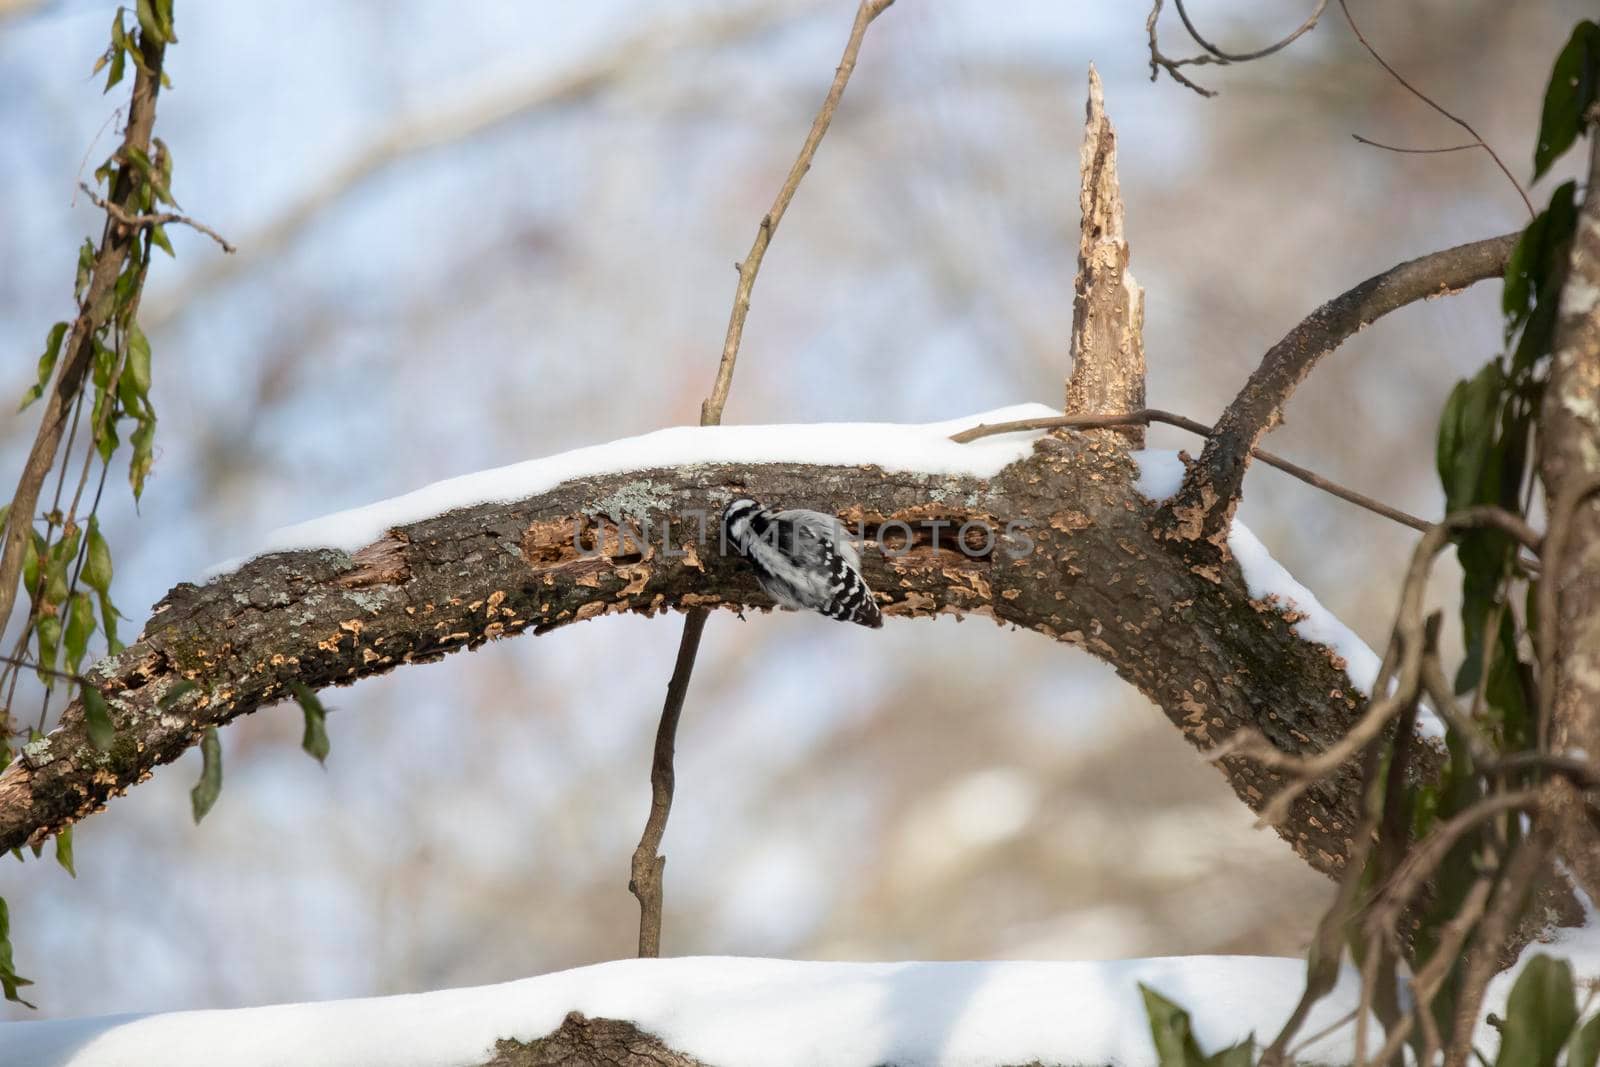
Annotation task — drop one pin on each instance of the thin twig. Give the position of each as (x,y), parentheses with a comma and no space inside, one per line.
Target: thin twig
(1149,415)
(648,865)
(711,410)
(139,222)
(27,664)
(1245,57)
(1414,151)
(1212,54)
(1483,961)
(1426,99)
(1410,637)
(1322,960)
(1423,859)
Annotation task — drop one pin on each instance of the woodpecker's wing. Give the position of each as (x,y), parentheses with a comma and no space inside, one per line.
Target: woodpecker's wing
(825,529)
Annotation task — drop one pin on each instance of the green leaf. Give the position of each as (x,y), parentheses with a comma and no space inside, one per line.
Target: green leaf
(119,65)
(1466,435)
(1584,1048)
(48,629)
(80,627)
(64,850)
(143,441)
(108,618)
(47,363)
(315,738)
(164,14)
(158,237)
(1574,86)
(10,980)
(97,717)
(1241,1055)
(148,22)
(32,552)
(1170,1029)
(138,368)
(97,562)
(204,793)
(1540,1014)
(85,268)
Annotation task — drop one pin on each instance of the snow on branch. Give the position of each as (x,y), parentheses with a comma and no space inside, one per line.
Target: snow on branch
(1050,533)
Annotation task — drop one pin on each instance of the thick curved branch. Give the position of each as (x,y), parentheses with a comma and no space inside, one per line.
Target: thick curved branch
(1204,507)
(1073,558)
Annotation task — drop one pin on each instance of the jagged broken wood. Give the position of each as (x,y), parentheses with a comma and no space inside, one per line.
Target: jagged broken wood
(1108,305)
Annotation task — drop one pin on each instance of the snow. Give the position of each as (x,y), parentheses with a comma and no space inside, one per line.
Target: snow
(1160,475)
(752,1012)
(923,448)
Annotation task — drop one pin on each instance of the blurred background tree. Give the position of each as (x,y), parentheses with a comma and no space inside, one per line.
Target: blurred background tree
(471,238)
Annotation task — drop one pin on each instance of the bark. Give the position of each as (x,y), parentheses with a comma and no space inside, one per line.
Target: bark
(1108,305)
(1570,467)
(1204,507)
(1096,577)
(585,1042)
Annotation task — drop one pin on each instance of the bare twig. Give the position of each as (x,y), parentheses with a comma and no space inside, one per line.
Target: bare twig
(1212,54)
(1245,57)
(1426,99)
(1322,960)
(1432,975)
(1410,638)
(27,664)
(1585,774)
(1204,506)
(648,865)
(711,410)
(1149,415)
(1483,960)
(1413,151)
(1421,862)
(140,222)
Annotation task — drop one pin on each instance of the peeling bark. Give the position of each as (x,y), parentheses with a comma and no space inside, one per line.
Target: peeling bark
(1108,305)
(1081,566)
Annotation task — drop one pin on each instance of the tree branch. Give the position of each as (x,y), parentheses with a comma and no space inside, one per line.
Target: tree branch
(1148,415)
(139,222)
(1071,557)
(96,308)
(1204,507)
(1569,465)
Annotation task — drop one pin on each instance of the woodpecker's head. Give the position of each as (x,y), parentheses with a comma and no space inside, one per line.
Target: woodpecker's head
(740,520)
